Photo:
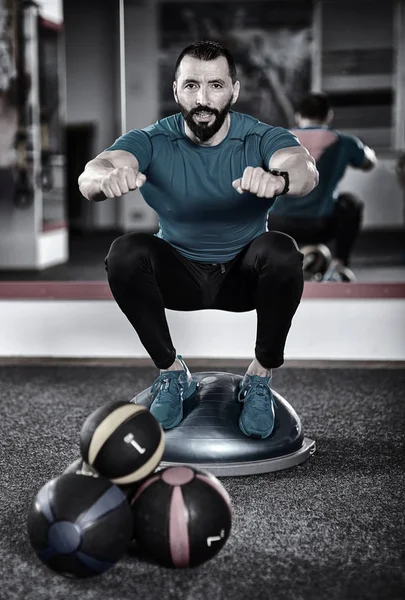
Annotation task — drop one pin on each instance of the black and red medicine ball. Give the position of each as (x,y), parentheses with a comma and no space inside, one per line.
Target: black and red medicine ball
(182,516)
(79,525)
(122,441)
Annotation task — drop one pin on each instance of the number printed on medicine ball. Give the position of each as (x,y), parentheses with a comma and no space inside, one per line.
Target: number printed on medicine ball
(122,441)
(80,526)
(182,516)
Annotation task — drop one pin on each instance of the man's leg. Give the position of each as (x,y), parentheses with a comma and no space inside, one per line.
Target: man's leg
(345,223)
(347,217)
(147,275)
(267,277)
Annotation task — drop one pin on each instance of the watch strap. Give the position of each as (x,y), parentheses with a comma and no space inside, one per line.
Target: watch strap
(286,178)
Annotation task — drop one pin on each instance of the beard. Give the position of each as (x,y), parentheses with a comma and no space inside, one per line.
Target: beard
(205,131)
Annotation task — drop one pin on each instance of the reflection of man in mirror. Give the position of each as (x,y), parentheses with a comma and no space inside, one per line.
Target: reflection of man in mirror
(324,215)
(211,175)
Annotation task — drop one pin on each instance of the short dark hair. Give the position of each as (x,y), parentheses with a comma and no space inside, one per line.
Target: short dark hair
(207,50)
(315,105)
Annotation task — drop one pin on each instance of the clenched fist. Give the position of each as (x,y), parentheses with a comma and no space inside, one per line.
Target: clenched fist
(120,181)
(259,182)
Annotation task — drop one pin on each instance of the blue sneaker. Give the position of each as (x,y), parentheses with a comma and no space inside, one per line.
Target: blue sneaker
(168,392)
(257,418)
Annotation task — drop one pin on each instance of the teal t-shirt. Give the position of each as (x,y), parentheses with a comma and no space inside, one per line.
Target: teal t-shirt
(333,152)
(190,186)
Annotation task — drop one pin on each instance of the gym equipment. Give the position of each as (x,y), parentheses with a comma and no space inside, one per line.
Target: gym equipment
(80,526)
(122,442)
(209,437)
(182,516)
(79,467)
(339,274)
(316,261)
(347,274)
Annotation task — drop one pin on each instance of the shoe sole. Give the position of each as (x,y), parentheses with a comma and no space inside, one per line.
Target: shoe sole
(255,436)
(190,393)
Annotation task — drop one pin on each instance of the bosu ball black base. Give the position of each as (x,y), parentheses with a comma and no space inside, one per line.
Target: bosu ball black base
(209,436)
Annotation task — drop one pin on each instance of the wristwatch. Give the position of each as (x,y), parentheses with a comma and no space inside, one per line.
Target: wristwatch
(286,177)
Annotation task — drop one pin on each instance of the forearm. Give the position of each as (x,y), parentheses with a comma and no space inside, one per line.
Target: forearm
(371,159)
(90,180)
(302,172)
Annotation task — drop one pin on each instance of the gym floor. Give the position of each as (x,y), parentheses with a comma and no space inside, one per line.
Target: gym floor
(330,529)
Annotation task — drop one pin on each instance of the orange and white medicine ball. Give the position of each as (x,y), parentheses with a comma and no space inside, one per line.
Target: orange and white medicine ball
(122,442)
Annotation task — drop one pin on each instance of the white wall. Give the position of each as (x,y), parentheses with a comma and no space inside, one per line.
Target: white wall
(357,329)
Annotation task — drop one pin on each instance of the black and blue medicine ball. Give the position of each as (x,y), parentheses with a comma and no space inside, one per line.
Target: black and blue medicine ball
(80,467)
(122,441)
(182,516)
(80,526)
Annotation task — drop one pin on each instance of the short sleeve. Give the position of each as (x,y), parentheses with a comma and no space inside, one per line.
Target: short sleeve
(355,150)
(276,138)
(139,144)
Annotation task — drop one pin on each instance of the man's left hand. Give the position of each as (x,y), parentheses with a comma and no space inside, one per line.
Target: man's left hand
(259,182)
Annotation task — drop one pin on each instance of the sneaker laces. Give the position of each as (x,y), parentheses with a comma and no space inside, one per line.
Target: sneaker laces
(167,382)
(257,392)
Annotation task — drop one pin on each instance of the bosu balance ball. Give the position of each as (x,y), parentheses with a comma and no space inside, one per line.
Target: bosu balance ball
(182,516)
(122,442)
(79,525)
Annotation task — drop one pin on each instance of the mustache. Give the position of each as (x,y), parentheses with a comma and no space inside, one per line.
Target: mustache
(205,109)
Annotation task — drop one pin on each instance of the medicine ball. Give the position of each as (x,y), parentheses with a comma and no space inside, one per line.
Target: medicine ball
(182,516)
(80,526)
(80,467)
(122,441)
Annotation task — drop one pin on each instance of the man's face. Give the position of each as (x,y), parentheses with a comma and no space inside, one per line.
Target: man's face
(205,94)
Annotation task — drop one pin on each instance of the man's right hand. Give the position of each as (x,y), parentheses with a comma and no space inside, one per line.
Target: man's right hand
(120,181)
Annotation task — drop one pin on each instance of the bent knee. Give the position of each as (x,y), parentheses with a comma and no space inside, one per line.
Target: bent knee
(350,203)
(280,252)
(128,249)
(277,242)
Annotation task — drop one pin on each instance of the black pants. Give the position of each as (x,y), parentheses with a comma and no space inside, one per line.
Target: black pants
(342,226)
(147,275)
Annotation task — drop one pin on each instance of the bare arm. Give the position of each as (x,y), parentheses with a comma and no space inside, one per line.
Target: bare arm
(120,166)
(370,160)
(301,169)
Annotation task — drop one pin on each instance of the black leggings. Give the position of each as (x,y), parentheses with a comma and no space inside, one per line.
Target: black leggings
(147,275)
(342,226)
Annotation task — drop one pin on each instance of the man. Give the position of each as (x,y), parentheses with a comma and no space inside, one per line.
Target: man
(207,171)
(323,215)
